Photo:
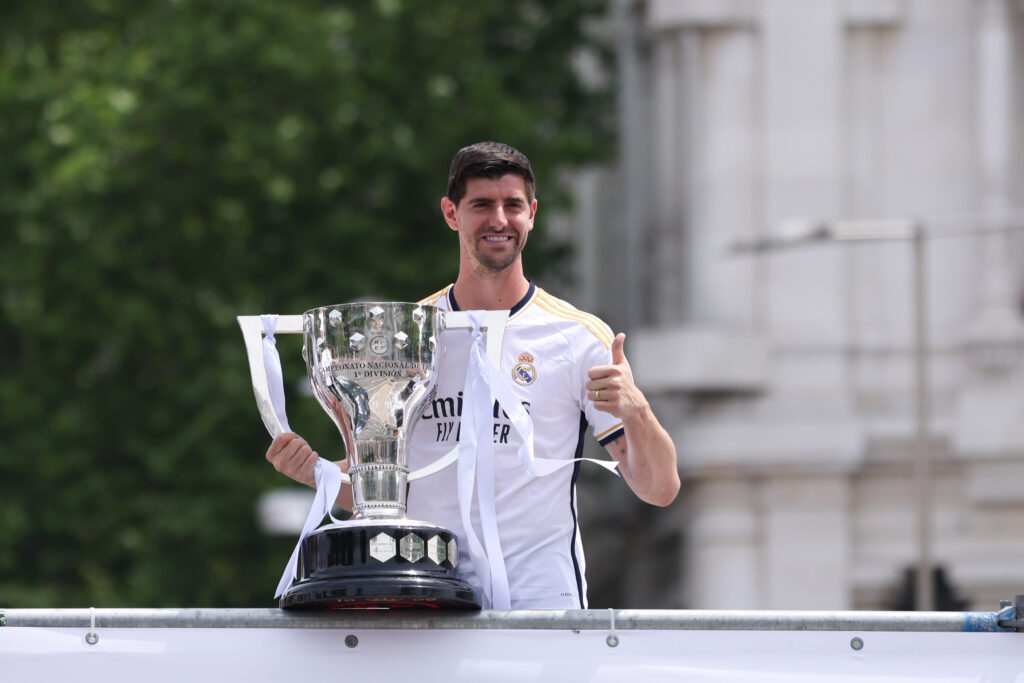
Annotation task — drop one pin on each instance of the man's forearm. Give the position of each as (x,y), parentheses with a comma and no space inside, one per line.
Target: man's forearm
(647,458)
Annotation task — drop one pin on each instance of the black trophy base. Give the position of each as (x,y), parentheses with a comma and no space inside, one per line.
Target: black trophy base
(402,592)
(378,565)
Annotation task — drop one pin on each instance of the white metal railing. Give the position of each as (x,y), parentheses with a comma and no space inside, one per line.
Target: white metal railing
(580,620)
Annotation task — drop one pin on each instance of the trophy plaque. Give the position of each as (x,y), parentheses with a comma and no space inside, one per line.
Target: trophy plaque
(371,366)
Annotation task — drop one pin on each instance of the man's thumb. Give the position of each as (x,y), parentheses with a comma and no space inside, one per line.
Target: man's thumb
(618,355)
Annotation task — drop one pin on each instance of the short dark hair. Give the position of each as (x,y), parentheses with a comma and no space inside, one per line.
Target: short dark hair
(488,160)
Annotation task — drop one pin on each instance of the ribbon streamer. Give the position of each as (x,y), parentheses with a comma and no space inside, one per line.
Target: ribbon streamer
(523,424)
(272,366)
(328,484)
(326,474)
(476,463)
(477,468)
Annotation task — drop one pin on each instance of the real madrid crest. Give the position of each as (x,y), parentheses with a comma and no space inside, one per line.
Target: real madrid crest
(524,373)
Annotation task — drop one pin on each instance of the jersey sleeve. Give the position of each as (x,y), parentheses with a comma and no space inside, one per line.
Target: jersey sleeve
(594,348)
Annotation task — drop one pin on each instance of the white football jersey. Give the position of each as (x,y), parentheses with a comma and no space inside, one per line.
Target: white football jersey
(548,348)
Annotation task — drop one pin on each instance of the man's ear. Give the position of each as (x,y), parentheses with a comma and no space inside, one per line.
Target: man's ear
(448,211)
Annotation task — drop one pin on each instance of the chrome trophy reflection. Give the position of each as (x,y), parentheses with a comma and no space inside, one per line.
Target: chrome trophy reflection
(371,366)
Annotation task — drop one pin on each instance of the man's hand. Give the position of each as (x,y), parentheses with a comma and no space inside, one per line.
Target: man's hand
(291,455)
(645,453)
(611,387)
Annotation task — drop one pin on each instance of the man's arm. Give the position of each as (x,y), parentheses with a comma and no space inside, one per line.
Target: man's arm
(645,452)
(291,455)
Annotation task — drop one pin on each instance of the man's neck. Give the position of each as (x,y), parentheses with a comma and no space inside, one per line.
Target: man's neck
(490,293)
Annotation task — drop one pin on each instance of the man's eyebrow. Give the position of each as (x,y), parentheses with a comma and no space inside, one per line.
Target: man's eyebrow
(487,201)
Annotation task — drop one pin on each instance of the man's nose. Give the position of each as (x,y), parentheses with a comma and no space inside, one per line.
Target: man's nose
(500,219)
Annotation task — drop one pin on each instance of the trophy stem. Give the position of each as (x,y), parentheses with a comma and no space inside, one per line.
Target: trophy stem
(379,480)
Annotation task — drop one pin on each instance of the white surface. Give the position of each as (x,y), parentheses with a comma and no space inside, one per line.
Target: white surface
(199,654)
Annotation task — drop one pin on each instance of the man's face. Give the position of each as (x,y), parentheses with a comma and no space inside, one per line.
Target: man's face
(493,220)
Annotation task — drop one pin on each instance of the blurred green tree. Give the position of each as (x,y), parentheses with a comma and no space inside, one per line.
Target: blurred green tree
(166,166)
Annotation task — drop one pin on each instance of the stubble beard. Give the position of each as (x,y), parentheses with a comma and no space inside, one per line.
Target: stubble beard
(497,263)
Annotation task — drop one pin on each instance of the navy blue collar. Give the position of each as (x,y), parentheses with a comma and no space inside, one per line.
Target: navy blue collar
(454,305)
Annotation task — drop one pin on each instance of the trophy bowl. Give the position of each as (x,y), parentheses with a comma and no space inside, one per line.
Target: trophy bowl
(371,367)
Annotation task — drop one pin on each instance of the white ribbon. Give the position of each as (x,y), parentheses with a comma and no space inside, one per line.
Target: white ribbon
(476,467)
(476,462)
(326,474)
(328,485)
(272,366)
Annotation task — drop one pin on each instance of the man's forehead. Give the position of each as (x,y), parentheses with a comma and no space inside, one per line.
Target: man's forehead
(508,185)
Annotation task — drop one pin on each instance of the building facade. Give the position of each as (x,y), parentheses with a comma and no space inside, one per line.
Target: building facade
(796,386)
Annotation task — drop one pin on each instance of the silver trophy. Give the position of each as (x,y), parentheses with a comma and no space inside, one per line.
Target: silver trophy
(371,366)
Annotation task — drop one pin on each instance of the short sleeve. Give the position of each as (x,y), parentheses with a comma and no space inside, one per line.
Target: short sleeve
(593,347)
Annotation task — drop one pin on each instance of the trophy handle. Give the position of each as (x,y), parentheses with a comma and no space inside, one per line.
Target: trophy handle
(494,325)
(252,333)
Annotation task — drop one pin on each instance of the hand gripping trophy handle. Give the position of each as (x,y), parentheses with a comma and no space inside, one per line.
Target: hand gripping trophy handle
(253,332)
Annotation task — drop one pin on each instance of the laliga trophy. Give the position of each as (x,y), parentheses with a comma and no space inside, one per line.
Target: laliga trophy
(371,367)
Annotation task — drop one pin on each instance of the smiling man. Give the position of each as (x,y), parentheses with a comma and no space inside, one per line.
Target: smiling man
(565,366)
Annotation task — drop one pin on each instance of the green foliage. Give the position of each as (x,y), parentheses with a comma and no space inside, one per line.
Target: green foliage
(166,166)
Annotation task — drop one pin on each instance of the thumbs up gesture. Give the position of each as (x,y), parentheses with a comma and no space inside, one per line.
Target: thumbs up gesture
(618,355)
(611,387)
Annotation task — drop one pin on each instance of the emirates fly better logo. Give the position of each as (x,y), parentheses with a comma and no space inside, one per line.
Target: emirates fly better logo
(524,373)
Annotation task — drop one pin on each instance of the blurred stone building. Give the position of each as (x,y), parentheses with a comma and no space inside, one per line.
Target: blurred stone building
(788,376)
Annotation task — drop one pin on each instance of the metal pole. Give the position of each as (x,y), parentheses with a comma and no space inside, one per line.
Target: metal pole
(624,620)
(924,590)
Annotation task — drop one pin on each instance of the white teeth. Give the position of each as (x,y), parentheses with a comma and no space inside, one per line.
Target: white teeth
(496,238)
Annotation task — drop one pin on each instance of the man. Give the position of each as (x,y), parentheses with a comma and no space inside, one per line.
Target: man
(568,371)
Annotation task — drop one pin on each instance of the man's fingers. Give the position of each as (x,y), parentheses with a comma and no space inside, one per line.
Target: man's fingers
(618,360)
(278,445)
(283,440)
(291,455)
(618,354)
